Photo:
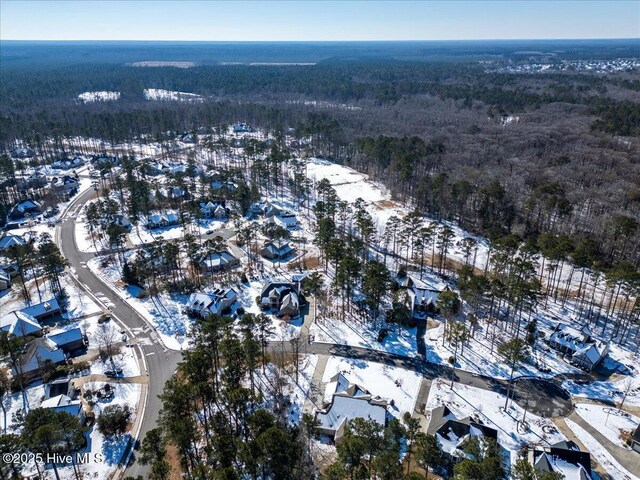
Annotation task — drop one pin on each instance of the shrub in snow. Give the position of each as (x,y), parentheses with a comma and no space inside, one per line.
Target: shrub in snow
(114,420)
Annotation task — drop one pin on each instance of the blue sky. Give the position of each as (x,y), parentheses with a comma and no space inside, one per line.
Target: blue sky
(316,20)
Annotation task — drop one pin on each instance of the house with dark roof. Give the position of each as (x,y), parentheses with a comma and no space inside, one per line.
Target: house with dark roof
(25,207)
(277,249)
(564,458)
(59,386)
(282,298)
(38,354)
(70,341)
(348,401)
(453,434)
(579,346)
(45,310)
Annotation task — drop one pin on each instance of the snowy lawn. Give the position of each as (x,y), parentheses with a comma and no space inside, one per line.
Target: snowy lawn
(604,458)
(608,421)
(401,341)
(13,403)
(487,406)
(391,383)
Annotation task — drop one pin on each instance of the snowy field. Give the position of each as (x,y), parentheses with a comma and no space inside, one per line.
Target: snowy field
(487,406)
(608,421)
(351,185)
(158,94)
(600,454)
(391,383)
(101,96)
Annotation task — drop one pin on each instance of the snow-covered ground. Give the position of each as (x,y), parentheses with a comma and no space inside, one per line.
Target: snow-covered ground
(170,95)
(487,406)
(401,341)
(112,449)
(391,383)
(13,403)
(78,303)
(351,185)
(608,421)
(101,96)
(601,455)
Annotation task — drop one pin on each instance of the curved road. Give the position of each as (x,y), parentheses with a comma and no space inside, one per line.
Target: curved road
(548,398)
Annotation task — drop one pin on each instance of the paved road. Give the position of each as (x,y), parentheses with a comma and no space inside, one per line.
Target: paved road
(161,363)
(549,400)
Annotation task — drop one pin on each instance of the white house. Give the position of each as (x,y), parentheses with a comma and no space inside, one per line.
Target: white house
(39,352)
(204,304)
(286,220)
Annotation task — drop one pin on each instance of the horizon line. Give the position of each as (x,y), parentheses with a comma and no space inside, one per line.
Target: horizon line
(536,39)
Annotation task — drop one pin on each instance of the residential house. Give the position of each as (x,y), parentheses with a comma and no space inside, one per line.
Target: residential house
(218,261)
(453,434)
(121,221)
(215,303)
(280,297)
(66,184)
(70,341)
(45,310)
(564,458)
(215,209)
(173,192)
(277,249)
(22,152)
(161,220)
(422,294)
(38,353)
(11,240)
(20,324)
(30,207)
(63,403)
(579,346)
(188,138)
(348,402)
(226,185)
(286,220)
(242,128)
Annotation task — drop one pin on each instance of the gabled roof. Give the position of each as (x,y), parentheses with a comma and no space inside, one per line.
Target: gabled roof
(19,324)
(65,338)
(43,308)
(11,240)
(572,463)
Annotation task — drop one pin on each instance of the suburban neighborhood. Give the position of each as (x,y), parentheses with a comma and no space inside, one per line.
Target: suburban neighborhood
(364,316)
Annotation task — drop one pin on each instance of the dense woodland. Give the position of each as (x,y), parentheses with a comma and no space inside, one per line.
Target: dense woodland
(500,153)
